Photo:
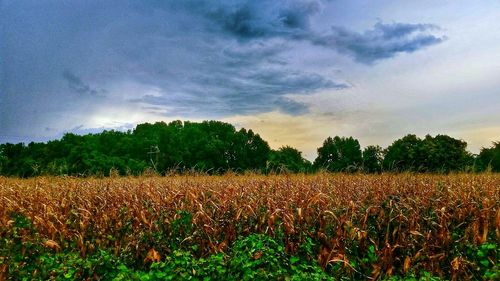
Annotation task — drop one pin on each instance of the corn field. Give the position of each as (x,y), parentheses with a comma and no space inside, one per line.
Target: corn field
(410,223)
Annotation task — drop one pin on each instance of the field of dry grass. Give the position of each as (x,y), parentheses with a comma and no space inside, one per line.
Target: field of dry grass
(375,225)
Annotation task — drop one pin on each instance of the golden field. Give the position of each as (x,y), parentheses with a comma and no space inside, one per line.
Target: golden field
(412,222)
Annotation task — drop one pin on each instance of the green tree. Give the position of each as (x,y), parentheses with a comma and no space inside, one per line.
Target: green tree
(405,154)
(489,158)
(441,153)
(288,159)
(446,154)
(216,147)
(373,157)
(339,154)
(16,161)
(254,152)
(3,160)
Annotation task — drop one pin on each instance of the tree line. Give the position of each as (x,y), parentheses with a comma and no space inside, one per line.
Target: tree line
(216,147)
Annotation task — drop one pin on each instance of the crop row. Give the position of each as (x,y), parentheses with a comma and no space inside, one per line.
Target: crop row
(367,226)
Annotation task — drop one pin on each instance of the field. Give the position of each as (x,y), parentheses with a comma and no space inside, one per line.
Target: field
(251,227)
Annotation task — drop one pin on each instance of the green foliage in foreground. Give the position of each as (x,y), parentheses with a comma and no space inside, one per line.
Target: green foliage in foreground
(256,257)
(181,265)
(24,256)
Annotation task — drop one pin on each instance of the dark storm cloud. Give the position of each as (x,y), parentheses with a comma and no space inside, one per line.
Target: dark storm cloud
(291,107)
(290,20)
(76,84)
(257,19)
(400,30)
(243,92)
(382,42)
(201,59)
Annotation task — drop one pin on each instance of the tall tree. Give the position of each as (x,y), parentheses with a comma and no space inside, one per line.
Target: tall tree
(441,153)
(255,151)
(288,159)
(446,154)
(373,157)
(339,154)
(489,158)
(405,154)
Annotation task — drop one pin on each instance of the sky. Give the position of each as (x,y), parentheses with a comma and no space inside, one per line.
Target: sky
(293,71)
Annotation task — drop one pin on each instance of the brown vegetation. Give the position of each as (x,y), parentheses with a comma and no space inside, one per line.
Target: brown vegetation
(412,221)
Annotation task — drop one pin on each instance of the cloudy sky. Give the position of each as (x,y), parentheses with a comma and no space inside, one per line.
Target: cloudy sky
(294,71)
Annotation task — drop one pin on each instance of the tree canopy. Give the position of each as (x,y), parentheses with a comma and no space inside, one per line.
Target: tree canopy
(210,146)
(373,156)
(432,154)
(489,159)
(339,154)
(216,147)
(288,159)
